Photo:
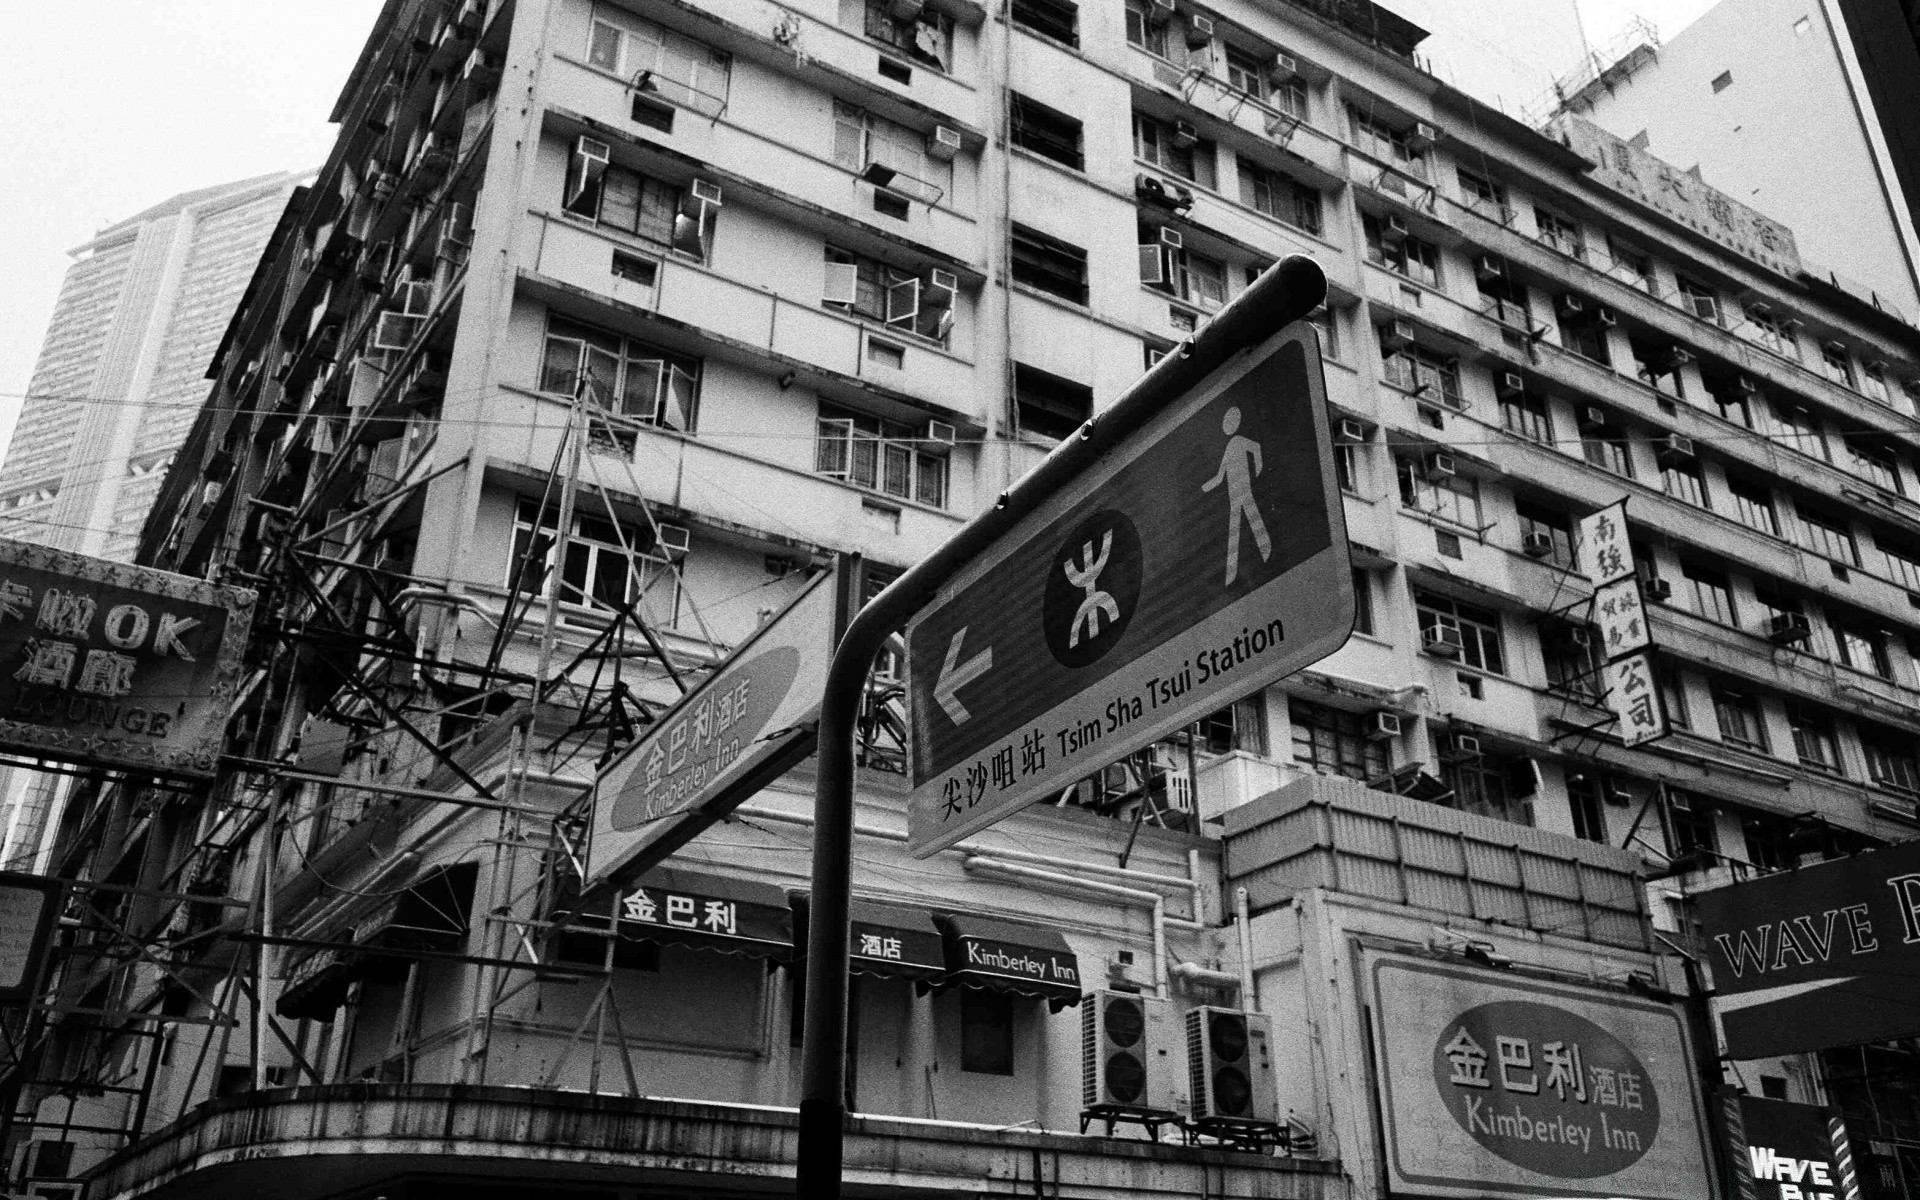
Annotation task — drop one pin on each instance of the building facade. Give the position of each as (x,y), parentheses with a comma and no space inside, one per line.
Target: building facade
(608,326)
(120,377)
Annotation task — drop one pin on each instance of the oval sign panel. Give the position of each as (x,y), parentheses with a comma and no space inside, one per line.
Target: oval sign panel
(1546,1090)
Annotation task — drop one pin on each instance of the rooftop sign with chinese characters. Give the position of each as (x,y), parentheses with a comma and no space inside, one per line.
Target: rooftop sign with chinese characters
(112,665)
(745,723)
(1558,1090)
(1680,195)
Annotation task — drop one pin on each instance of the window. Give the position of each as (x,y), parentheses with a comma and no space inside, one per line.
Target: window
(622,199)
(1145,28)
(1588,807)
(1609,448)
(1712,597)
(1722,82)
(1836,365)
(1903,562)
(1362,601)
(861,137)
(1776,606)
(1246,72)
(1281,198)
(1173,147)
(1860,647)
(1479,629)
(1451,498)
(1631,264)
(1048,406)
(1733,396)
(1375,137)
(608,565)
(1799,428)
(1891,761)
(1541,525)
(1699,299)
(1813,741)
(1658,366)
(886,456)
(1684,482)
(1690,824)
(1875,465)
(1346,466)
(1673,697)
(899,299)
(623,376)
(1049,264)
(1581,333)
(1178,271)
(1753,505)
(1491,786)
(1057,19)
(1485,196)
(1324,321)
(1560,233)
(1401,253)
(1571,654)
(1290,97)
(679,69)
(1829,536)
(986,1032)
(1332,741)
(1739,716)
(1526,414)
(1424,373)
(926,38)
(1873,384)
(1045,131)
(1502,297)
(1770,846)
(1774,332)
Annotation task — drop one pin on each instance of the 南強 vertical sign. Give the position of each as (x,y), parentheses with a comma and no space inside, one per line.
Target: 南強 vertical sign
(113,665)
(1620,618)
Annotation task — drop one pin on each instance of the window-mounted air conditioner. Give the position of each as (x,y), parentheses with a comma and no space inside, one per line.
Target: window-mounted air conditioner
(940,435)
(1439,465)
(905,10)
(1284,68)
(1746,386)
(1509,383)
(1537,545)
(943,143)
(1396,334)
(1605,317)
(1593,418)
(1383,725)
(1199,31)
(1393,230)
(1349,432)
(1423,136)
(1580,635)
(706,191)
(1657,589)
(1488,267)
(1678,357)
(1171,237)
(1185,135)
(1784,629)
(1442,641)
(675,540)
(1464,745)
(1572,304)
(1676,448)
(1159,12)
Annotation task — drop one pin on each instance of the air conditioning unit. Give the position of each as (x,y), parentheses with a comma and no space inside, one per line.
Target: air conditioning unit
(1185,135)
(1579,635)
(1393,230)
(1704,307)
(940,433)
(1658,590)
(1572,304)
(1592,417)
(1129,1053)
(1230,1067)
(49,1159)
(1616,793)
(1605,316)
(706,191)
(1746,386)
(1442,641)
(1171,238)
(675,540)
(1675,448)
(1350,432)
(1383,725)
(396,330)
(466,23)
(1160,12)
(1396,335)
(1510,383)
(1784,629)
(1537,545)
(943,143)
(1439,465)
(1199,31)
(1423,136)
(1678,357)
(1488,267)
(905,10)
(375,263)
(1464,745)
(1837,349)
(1285,67)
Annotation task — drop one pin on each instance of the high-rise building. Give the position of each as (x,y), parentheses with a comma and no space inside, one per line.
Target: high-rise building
(120,377)
(1799,108)
(609,327)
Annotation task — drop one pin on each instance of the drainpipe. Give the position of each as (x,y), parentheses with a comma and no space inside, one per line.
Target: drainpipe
(1196,973)
(1249,1000)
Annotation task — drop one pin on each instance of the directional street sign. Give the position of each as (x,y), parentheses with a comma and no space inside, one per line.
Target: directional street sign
(1202,559)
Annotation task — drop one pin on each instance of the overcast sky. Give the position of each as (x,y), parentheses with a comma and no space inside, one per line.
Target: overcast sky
(124,103)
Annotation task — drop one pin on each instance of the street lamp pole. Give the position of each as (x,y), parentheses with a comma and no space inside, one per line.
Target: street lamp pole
(1284,294)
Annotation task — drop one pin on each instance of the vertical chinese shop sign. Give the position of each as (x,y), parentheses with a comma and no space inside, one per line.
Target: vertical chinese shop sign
(1500,1086)
(112,665)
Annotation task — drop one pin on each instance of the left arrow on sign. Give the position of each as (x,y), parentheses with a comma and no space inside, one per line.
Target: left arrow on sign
(955,675)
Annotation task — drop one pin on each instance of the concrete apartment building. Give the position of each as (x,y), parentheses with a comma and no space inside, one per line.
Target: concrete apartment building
(120,377)
(802,281)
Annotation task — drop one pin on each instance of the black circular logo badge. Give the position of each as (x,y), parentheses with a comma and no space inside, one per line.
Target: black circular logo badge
(1093,587)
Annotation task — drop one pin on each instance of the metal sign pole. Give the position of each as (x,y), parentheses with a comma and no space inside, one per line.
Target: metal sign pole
(1283,295)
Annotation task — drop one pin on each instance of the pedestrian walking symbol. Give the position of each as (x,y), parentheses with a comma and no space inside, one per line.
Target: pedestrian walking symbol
(1093,586)
(1239,464)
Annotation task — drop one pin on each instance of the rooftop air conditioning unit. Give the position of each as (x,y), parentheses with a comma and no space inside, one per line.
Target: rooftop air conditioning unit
(1510,383)
(1185,135)
(1784,629)
(1676,448)
(1396,334)
(1230,1067)
(1129,1054)
(1488,267)
(1657,589)
(1199,31)
(1423,136)
(1170,237)
(1285,67)
(1537,545)
(943,143)
(1442,641)
(1383,725)
(1439,465)
(1350,432)
(1592,417)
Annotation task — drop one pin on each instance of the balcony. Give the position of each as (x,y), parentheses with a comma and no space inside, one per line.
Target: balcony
(309,1142)
(1345,837)
(801,330)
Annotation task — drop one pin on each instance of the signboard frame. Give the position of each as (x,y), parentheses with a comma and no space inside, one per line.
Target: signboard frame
(33,959)
(1075,712)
